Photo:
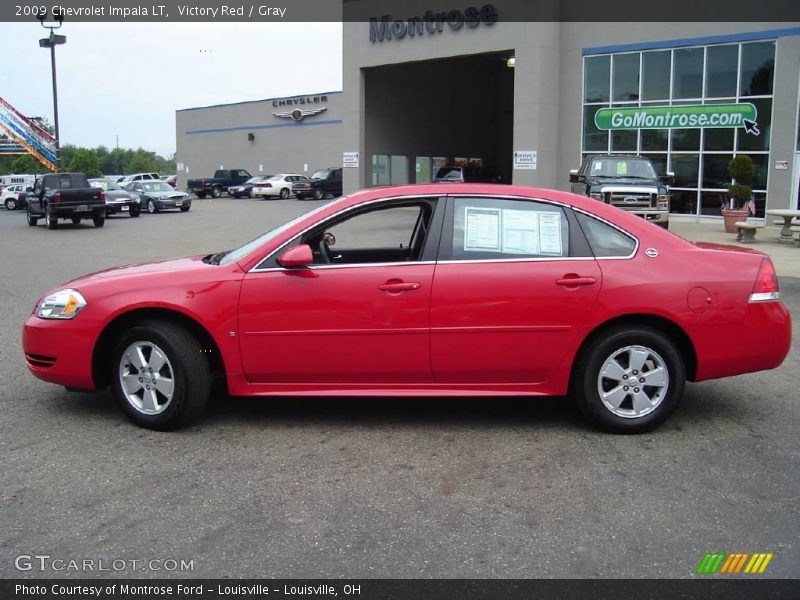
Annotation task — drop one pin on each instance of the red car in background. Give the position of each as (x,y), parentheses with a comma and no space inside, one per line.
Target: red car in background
(462,290)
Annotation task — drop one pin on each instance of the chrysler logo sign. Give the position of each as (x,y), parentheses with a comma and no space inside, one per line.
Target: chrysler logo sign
(387,27)
(298,113)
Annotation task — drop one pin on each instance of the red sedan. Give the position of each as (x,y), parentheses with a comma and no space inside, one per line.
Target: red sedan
(473,290)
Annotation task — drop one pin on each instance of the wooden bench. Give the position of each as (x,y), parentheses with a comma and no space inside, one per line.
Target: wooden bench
(746,232)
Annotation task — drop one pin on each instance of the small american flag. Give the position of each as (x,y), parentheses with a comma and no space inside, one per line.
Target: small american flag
(752,206)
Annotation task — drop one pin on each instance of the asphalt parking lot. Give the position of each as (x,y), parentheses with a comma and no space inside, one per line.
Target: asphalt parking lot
(366,488)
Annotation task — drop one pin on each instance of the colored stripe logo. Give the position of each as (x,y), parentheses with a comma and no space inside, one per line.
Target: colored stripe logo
(734,563)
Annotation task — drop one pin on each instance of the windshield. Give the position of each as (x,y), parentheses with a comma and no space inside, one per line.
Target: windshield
(243,251)
(321,174)
(449,173)
(157,186)
(104,184)
(622,167)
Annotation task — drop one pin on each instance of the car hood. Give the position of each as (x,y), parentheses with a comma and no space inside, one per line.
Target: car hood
(172,194)
(174,266)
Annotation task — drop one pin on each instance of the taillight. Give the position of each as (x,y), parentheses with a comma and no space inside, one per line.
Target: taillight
(766,285)
(102,196)
(57,198)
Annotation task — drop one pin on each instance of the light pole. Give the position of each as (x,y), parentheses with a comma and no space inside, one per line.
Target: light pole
(51,42)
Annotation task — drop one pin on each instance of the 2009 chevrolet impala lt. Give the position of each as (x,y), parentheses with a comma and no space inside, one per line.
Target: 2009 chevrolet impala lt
(473,290)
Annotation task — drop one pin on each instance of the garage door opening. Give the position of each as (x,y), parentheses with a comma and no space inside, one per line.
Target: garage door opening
(422,116)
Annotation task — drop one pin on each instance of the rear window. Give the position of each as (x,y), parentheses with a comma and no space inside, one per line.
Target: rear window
(66,181)
(606,241)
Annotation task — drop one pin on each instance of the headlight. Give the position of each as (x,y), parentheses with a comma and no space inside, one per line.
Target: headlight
(64,304)
(596,196)
(663,202)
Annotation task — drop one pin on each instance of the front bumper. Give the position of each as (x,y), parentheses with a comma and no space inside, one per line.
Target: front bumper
(121,206)
(170,203)
(60,351)
(654,216)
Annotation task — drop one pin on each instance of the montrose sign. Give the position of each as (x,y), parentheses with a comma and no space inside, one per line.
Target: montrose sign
(386,28)
(692,116)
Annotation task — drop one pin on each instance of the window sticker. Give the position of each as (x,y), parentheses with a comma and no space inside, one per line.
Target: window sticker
(597,165)
(482,229)
(550,233)
(622,168)
(510,231)
(520,232)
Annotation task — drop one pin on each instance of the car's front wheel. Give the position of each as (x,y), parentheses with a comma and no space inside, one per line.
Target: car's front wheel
(216,192)
(32,221)
(319,193)
(135,211)
(629,380)
(151,207)
(11,203)
(161,378)
(185,208)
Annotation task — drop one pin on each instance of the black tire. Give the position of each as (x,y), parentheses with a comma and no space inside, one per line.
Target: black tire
(11,204)
(319,193)
(185,208)
(99,221)
(50,221)
(32,221)
(186,367)
(135,211)
(299,196)
(152,207)
(237,196)
(76,220)
(216,192)
(284,193)
(200,195)
(618,344)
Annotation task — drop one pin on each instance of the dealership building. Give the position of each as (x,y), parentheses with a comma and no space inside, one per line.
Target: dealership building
(526,101)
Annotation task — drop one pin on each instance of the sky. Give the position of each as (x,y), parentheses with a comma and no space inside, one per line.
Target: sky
(128,79)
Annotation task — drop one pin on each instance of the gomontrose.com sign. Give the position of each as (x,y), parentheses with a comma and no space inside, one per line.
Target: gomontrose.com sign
(679,117)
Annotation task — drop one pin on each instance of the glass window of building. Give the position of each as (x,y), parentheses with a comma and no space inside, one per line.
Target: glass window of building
(714,74)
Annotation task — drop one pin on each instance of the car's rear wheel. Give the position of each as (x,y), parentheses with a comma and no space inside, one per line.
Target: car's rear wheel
(151,207)
(216,192)
(76,220)
(161,378)
(200,195)
(32,221)
(11,203)
(50,220)
(99,221)
(284,194)
(319,193)
(629,380)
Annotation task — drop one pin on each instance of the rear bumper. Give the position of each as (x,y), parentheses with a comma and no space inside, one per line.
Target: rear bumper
(72,210)
(758,342)
(59,351)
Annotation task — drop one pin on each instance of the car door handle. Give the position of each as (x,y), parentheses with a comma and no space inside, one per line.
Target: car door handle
(574,280)
(394,287)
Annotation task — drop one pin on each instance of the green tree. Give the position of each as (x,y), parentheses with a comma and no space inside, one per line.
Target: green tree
(142,161)
(27,164)
(85,161)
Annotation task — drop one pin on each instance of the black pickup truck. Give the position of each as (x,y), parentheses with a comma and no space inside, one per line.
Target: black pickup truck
(222,180)
(322,183)
(65,196)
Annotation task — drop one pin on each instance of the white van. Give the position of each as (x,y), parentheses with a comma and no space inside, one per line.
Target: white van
(26,180)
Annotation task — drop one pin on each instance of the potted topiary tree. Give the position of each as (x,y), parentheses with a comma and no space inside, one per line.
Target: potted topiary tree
(741,170)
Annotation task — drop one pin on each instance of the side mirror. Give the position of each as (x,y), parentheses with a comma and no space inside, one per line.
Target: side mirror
(575,178)
(668,178)
(299,256)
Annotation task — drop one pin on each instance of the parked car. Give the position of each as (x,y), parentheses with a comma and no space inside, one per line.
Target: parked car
(627,182)
(464,174)
(277,186)
(215,186)
(64,196)
(323,182)
(117,199)
(482,291)
(246,189)
(171,180)
(13,196)
(157,195)
(138,177)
